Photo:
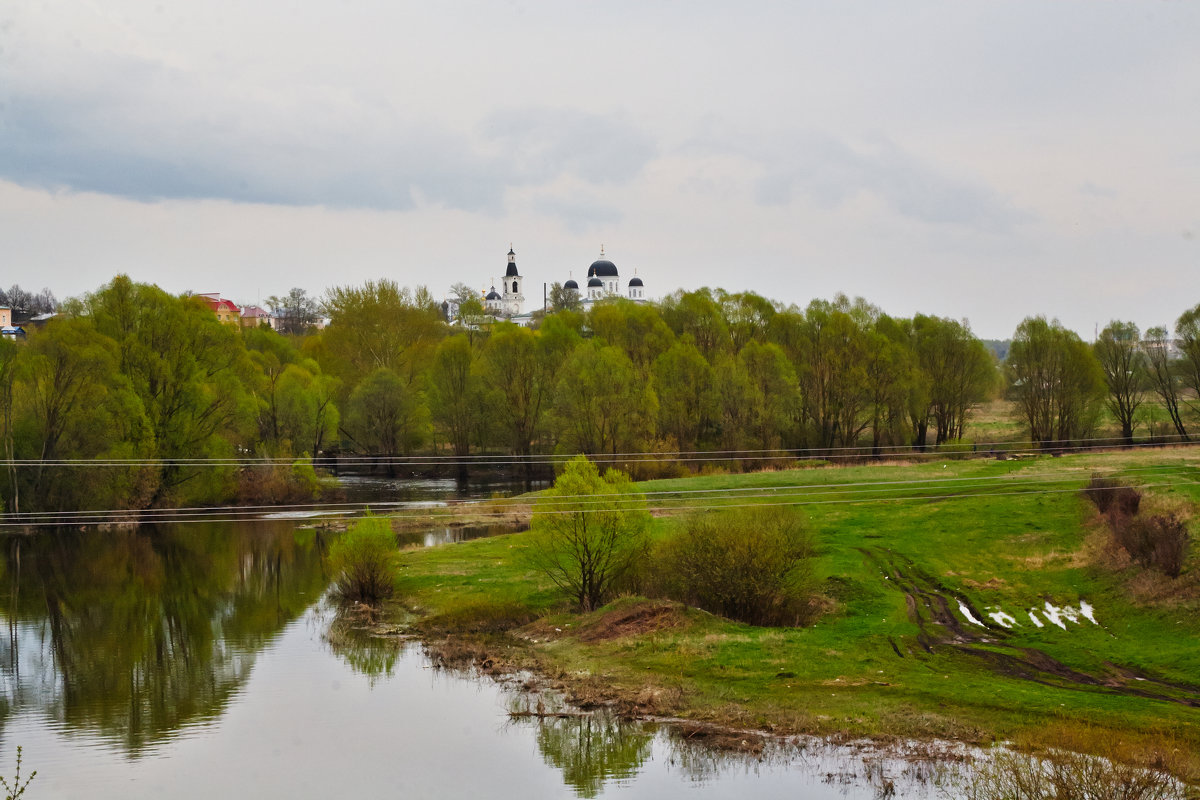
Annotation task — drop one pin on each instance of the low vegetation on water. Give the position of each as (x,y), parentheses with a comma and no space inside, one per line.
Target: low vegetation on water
(970,600)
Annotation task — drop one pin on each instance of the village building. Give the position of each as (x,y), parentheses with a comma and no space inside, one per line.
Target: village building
(508,301)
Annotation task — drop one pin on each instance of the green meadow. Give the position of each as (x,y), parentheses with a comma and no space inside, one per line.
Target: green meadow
(926,576)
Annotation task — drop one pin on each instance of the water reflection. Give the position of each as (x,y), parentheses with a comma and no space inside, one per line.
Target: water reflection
(365,653)
(134,634)
(593,750)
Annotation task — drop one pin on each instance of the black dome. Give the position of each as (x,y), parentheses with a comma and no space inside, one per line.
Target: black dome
(595,282)
(635,281)
(492,295)
(512,270)
(571,284)
(602,269)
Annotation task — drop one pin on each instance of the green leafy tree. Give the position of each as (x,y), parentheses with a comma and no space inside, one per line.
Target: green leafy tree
(454,394)
(699,315)
(384,416)
(957,369)
(519,368)
(190,373)
(1187,331)
(380,325)
(564,299)
(1124,364)
(308,416)
(687,401)
(588,532)
(636,328)
(1165,376)
(1056,381)
(773,396)
(602,405)
(73,404)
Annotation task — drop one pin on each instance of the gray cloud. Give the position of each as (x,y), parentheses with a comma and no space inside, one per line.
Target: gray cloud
(830,172)
(578,214)
(142,131)
(542,143)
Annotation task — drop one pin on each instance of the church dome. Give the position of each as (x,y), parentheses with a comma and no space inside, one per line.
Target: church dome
(512,270)
(493,295)
(602,269)
(595,282)
(571,284)
(635,281)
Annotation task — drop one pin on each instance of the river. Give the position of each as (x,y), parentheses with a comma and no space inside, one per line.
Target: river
(196,660)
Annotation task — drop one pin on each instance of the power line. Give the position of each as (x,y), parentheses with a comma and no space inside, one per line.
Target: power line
(550,459)
(263,511)
(125,520)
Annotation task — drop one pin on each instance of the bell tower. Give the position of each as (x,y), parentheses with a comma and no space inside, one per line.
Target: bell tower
(513,298)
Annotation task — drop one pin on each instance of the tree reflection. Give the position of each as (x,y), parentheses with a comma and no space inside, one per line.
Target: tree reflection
(592,750)
(133,634)
(372,656)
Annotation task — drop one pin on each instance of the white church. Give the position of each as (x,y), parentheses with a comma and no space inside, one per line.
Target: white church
(603,282)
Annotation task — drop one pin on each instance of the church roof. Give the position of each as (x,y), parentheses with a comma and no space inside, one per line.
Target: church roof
(635,281)
(603,269)
(571,284)
(512,270)
(595,282)
(492,295)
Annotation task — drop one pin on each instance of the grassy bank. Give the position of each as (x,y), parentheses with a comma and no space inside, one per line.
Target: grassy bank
(902,551)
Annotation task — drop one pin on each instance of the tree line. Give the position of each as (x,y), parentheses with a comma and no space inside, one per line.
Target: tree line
(140,382)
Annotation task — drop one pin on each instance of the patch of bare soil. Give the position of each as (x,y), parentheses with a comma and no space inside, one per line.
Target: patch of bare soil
(634,620)
(929,604)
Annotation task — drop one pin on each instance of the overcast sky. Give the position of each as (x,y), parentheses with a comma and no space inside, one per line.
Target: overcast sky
(965,159)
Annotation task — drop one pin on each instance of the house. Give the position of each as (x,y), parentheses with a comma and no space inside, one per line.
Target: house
(254,316)
(225,310)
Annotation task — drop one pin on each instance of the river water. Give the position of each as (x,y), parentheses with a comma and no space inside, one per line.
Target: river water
(196,661)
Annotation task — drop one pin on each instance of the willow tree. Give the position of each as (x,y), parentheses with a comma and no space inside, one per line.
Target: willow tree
(1164,374)
(1124,363)
(602,404)
(454,396)
(1056,381)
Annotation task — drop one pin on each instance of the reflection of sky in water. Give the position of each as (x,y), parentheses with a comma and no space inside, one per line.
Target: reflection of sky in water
(306,724)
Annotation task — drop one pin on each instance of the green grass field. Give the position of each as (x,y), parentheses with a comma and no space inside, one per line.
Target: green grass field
(900,547)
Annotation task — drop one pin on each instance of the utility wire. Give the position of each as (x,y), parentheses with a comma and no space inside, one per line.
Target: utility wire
(819,453)
(259,511)
(131,518)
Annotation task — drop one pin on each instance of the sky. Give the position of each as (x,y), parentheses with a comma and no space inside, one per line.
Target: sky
(979,160)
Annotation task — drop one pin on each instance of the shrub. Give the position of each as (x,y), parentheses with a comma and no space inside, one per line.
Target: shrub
(754,566)
(1110,496)
(363,560)
(1158,542)
(588,532)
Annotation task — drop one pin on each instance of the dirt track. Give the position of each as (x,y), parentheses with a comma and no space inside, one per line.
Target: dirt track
(930,606)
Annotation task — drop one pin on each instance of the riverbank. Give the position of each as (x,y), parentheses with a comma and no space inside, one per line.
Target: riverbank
(930,573)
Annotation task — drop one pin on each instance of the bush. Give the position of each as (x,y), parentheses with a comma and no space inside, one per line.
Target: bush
(1158,542)
(754,566)
(588,532)
(364,562)
(1110,496)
